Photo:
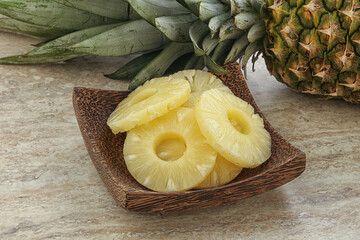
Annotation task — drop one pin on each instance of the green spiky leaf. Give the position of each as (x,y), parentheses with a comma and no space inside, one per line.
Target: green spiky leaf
(256,32)
(192,5)
(130,69)
(221,51)
(245,20)
(252,49)
(216,22)
(197,32)
(195,62)
(209,9)
(46,33)
(179,64)
(62,43)
(161,63)
(116,9)
(213,66)
(151,9)
(58,50)
(49,13)
(209,43)
(237,49)
(176,28)
(238,6)
(229,30)
(137,36)
(256,4)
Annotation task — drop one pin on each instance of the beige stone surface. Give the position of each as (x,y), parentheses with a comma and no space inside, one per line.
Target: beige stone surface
(49,188)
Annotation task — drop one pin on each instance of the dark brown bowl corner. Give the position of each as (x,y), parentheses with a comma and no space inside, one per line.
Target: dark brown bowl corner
(92,108)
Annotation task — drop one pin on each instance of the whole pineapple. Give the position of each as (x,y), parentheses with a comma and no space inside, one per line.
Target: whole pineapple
(313,46)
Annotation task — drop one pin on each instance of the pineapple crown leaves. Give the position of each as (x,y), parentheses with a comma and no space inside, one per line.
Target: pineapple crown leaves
(171,34)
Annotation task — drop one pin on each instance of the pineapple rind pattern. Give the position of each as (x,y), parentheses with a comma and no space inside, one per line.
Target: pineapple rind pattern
(326,49)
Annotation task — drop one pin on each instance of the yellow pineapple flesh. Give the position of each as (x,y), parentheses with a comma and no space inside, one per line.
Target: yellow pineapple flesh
(223,173)
(149,101)
(231,127)
(199,81)
(169,153)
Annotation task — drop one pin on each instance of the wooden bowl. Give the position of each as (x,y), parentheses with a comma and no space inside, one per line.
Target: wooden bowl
(92,108)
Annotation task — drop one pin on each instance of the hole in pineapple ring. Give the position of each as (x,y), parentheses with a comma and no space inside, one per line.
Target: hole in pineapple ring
(239,120)
(143,95)
(170,146)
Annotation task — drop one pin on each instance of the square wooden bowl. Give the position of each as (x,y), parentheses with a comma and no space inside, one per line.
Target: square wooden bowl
(92,108)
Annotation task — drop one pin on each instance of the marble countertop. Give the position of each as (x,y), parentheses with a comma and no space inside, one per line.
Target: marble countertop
(49,188)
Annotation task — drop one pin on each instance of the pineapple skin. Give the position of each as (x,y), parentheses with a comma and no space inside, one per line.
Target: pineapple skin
(314,46)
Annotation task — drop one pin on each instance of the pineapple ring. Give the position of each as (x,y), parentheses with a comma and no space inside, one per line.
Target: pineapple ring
(199,81)
(231,127)
(149,101)
(161,169)
(223,173)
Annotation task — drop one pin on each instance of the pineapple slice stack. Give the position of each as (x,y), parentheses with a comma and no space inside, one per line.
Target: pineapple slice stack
(188,131)
(189,165)
(199,81)
(223,172)
(225,118)
(153,99)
